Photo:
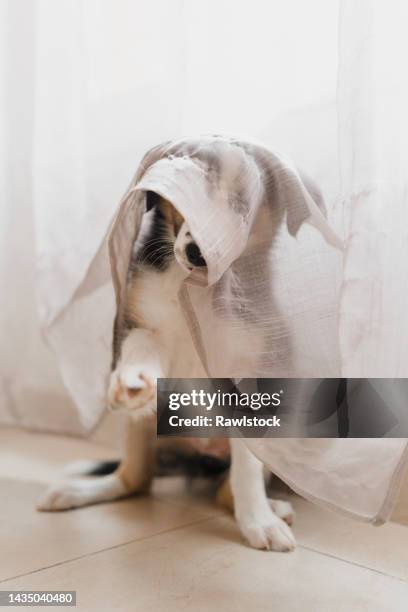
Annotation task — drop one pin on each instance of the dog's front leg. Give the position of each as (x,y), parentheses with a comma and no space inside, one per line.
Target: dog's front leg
(258,523)
(132,390)
(133,383)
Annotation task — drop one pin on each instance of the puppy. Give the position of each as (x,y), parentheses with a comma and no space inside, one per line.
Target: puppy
(157,344)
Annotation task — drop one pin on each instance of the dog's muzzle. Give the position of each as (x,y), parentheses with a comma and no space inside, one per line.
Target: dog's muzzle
(194,256)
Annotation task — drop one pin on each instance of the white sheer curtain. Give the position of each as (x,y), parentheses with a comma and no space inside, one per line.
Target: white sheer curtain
(86,86)
(373,139)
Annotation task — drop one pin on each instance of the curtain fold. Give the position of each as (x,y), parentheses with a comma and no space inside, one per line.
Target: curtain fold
(373,145)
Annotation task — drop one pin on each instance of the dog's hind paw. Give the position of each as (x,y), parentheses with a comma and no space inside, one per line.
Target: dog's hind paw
(76,493)
(63,496)
(283,509)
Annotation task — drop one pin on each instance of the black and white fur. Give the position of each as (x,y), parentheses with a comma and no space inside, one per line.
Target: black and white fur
(158,344)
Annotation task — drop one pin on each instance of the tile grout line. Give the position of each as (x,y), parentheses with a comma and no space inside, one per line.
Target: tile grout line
(219,515)
(102,550)
(354,563)
(181,527)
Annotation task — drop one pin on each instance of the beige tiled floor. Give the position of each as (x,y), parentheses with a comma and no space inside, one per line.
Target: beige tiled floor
(176,551)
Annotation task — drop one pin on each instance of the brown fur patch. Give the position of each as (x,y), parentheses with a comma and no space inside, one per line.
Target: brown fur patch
(172,216)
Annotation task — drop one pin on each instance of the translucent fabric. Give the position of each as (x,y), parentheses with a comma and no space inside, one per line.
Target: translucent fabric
(84,92)
(241,202)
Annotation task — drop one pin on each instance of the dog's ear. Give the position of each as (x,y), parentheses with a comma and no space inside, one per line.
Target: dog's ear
(294,194)
(299,208)
(304,203)
(152,200)
(299,197)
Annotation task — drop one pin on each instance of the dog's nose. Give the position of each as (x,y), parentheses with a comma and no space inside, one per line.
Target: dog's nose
(194,255)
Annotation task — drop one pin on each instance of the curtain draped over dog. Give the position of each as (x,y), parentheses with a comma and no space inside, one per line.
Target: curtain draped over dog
(234,195)
(86,87)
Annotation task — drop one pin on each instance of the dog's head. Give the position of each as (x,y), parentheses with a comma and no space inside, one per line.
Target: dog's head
(174,232)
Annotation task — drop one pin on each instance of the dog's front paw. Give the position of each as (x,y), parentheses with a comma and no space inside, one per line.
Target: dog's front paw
(268,532)
(133,384)
(130,388)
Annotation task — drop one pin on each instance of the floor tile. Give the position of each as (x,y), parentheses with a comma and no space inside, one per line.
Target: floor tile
(206,567)
(42,457)
(384,548)
(31,540)
(203,564)
(198,492)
